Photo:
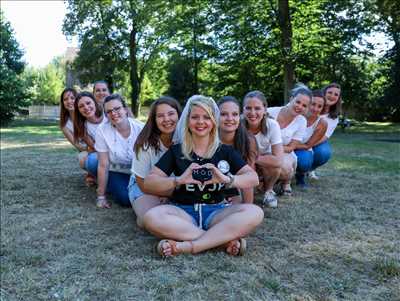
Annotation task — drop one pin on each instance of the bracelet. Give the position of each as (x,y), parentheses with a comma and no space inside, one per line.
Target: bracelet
(231,180)
(101,197)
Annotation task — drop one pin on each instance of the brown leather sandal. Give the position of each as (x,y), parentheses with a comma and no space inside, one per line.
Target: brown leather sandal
(172,243)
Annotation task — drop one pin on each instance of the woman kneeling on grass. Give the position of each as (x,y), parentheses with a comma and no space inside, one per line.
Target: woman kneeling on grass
(233,132)
(67,102)
(268,136)
(153,141)
(315,131)
(88,116)
(199,218)
(114,145)
(330,113)
(293,126)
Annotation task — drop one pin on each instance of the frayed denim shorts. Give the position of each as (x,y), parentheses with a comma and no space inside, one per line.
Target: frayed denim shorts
(202,214)
(134,191)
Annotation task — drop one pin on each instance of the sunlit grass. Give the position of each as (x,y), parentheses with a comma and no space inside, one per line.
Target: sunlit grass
(338,240)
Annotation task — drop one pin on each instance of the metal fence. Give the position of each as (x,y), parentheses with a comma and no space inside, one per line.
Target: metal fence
(44,112)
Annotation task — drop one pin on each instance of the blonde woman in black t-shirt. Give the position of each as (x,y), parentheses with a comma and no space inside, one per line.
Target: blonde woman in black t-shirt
(198,217)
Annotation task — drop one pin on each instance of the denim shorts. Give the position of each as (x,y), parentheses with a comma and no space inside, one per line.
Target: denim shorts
(202,214)
(134,191)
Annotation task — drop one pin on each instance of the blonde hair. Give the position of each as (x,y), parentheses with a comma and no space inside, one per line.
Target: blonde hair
(208,105)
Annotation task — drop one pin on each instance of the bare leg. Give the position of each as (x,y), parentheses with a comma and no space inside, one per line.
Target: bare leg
(231,223)
(248,195)
(168,221)
(142,205)
(288,168)
(82,158)
(270,176)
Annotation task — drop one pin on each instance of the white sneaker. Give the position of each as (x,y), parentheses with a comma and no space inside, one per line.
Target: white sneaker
(270,199)
(313,176)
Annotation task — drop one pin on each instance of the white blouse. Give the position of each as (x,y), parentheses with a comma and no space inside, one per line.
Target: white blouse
(294,131)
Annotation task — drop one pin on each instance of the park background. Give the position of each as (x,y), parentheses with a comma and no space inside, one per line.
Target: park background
(339,240)
(145,49)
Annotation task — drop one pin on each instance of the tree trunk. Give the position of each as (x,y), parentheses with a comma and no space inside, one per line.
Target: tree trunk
(110,82)
(195,86)
(134,77)
(286,44)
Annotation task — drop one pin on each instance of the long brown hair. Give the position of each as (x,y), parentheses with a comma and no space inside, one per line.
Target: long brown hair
(242,137)
(335,109)
(260,96)
(150,134)
(64,113)
(79,120)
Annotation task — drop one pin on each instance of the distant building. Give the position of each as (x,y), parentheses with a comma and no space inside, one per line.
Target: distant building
(71,77)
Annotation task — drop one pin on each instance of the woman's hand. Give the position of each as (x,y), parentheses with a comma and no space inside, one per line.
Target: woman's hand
(218,176)
(186,177)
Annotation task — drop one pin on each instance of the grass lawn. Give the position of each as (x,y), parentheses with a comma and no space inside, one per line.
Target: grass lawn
(339,240)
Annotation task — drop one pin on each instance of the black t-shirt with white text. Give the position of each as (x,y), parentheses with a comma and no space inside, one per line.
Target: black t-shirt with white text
(174,162)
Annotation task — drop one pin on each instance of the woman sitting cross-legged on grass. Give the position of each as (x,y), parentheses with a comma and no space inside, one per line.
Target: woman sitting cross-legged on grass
(88,116)
(153,141)
(114,146)
(316,129)
(322,150)
(198,218)
(269,142)
(293,125)
(233,132)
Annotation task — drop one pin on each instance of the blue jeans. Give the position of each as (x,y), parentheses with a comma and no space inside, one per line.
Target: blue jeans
(304,160)
(117,184)
(91,163)
(322,154)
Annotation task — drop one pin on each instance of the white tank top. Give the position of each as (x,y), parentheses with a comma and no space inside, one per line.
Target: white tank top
(69,125)
(310,130)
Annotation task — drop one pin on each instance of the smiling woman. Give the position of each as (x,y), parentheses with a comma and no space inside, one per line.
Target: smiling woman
(293,126)
(114,145)
(153,141)
(198,218)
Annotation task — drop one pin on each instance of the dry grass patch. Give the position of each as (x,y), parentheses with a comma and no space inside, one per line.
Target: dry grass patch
(338,240)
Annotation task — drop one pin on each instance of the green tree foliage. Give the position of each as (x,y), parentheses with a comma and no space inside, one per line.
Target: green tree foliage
(44,85)
(99,26)
(223,47)
(12,92)
(120,35)
(180,78)
(390,99)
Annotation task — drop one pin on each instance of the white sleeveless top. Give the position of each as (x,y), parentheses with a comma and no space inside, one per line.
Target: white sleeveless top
(310,130)
(332,124)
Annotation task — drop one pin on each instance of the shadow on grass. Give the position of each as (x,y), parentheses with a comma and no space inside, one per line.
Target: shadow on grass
(337,240)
